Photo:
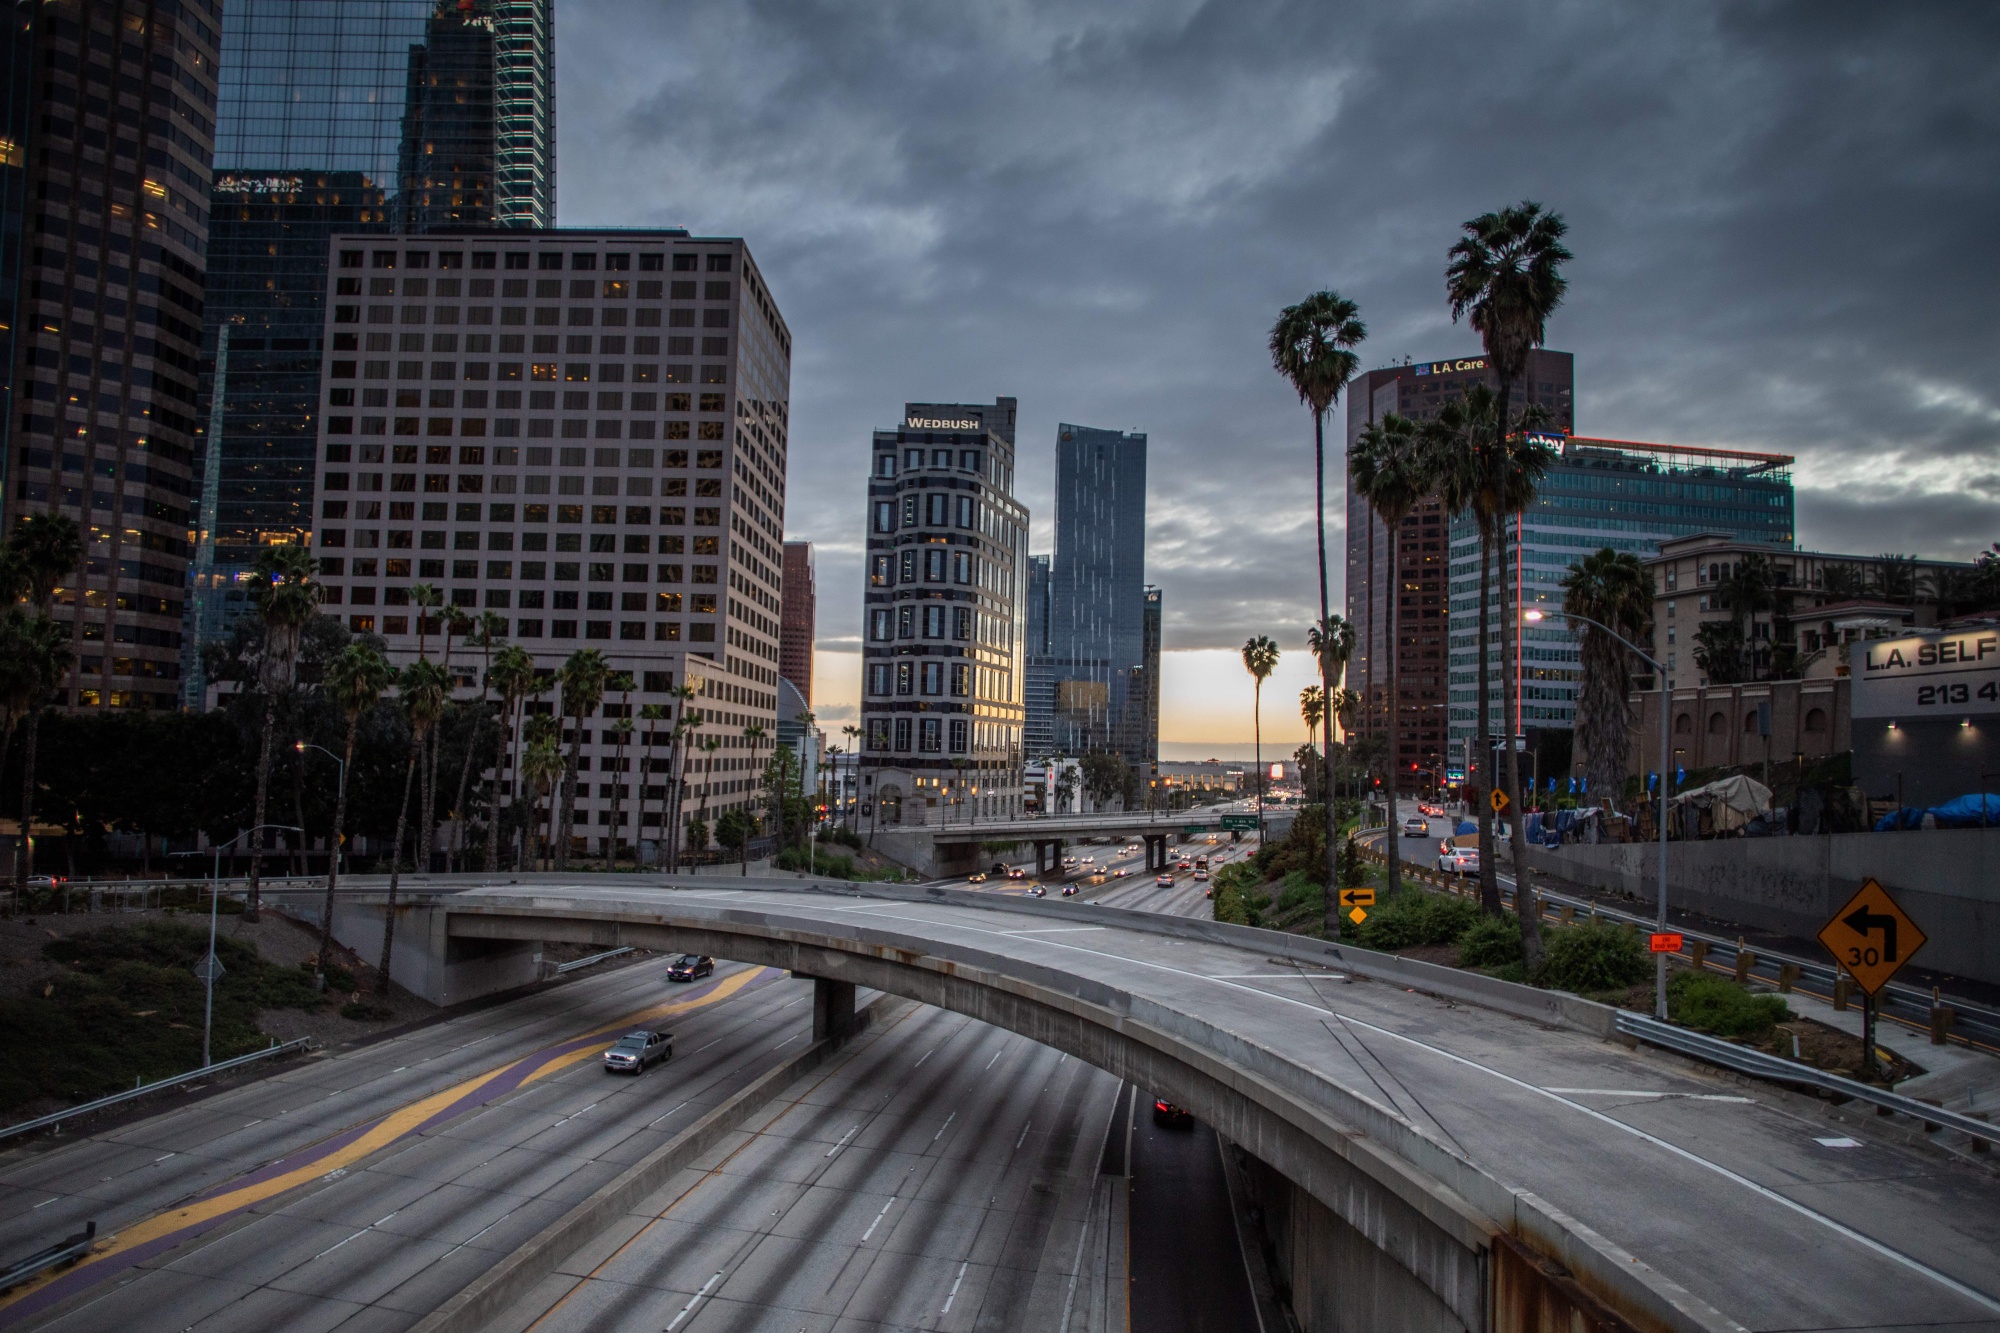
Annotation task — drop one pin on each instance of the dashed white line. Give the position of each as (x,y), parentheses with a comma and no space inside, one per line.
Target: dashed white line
(694,1300)
(1633,1092)
(926,1055)
(996,1059)
(1024,1135)
(656,1120)
(843,1141)
(946,1125)
(878,1218)
(954,1288)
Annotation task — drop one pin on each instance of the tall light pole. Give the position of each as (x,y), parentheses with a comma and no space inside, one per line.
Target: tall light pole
(339,844)
(1666,757)
(211,966)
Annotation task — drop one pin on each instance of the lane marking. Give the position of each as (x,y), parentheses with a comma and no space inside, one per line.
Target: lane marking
(878,1218)
(1634,1092)
(1054,930)
(656,1120)
(954,1287)
(1763,1191)
(843,1141)
(693,1301)
(1024,1135)
(934,1138)
(330,1158)
(920,1063)
(1841,1142)
(996,1058)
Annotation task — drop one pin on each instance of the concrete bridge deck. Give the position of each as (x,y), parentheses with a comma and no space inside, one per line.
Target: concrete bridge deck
(1428,1138)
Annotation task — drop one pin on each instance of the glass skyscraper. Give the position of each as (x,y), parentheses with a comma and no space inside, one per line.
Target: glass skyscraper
(1600,493)
(1088,680)
(339,116)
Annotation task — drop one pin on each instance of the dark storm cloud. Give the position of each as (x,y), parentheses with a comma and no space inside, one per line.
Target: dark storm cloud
(1783,217)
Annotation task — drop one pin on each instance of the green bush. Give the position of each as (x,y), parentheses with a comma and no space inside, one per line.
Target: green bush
(843,835)
(1595,956)
(1709,1003)
(1490,941)
(1414,917)
(828,864)
(1298,891)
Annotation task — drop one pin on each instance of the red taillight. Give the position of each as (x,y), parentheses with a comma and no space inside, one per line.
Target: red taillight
(1162,1106)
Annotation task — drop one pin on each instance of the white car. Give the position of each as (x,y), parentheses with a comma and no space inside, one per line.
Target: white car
(1459,861)
(1416,828)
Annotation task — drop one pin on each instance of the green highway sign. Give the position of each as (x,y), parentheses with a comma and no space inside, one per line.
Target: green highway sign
(1194,830)
(1242,823)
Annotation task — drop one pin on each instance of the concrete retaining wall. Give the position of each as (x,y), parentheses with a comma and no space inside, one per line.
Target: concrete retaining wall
(1946,879)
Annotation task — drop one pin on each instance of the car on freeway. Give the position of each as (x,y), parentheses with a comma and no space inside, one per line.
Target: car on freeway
(1184,864)
(976,877)
(1069,891)
(1173,1117)
(1069,860)
(1038,892)
(1121,872)
(1001,868)
(1164,881)
(1015,872)
(1416,828)
(1200,875)
(690,966)
(631,1053)
(1459,861)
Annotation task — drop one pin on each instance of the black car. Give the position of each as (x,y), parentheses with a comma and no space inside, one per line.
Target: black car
(1173,1117)
(631,1053)
(689,966)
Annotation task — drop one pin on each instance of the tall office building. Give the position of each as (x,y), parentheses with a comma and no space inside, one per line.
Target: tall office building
(104,177)
(1147,688)
(340,116)
(1629,497)
(1417,392)
(1038,671)
(941,658)
(798,620)
(528,422)
(1089,677)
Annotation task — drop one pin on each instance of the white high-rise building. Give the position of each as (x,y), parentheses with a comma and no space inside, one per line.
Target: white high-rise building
(582,433)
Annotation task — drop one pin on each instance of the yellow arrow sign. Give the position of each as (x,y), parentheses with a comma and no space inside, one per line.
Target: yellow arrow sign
(1499,801)
(1871,936)
(1357,897)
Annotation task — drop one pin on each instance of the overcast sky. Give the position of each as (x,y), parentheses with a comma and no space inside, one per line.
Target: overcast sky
(1784,220)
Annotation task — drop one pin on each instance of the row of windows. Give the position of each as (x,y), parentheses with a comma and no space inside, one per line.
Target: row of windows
(925,565)
(400,539)
(968,460)
(476,371)
(665,631)
(539,455)
(546,289)
(903,622)
(541,428)
(404,511)
(519,344)
(930,509)
(475,483)
(580,261)
(885,678)
(535,599)
(929,733)
(601,571)
(515,316)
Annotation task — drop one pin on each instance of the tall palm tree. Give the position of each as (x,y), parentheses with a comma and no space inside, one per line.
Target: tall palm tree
(423,596)
(1312,346)
(1612,588)
(43,550)
(708,745)
(489,631)
(355,681)
(542,768)
(286,599)
(1312,709)
(621,732)
(583,678)
(512,676)
(37,655)
(1394,468)
(853,734)
(1331,643)
(425,687)
(652,715)
(684,727)
(1260,659)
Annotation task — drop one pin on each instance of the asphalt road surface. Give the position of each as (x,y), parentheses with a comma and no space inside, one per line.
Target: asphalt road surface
(361,1191)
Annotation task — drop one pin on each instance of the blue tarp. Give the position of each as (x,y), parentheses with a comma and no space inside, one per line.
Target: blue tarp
(1971,811)
(1465,826)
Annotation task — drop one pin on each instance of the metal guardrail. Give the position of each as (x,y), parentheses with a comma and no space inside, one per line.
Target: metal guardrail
(1745,1060)
(220,1066)
(1973,1024)
(574,963)
(67,1250)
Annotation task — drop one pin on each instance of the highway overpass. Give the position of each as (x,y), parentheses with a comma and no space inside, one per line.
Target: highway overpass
(945,849)
(1440,1150)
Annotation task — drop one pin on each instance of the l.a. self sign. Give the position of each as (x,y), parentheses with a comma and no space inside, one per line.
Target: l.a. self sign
(1941,674)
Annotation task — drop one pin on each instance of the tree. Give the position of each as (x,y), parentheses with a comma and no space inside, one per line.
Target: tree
(286,599)
(583,677)
(355,682)
(734,830)
(512,676)
(1612,588)
(678,743)
(652,715)
(1331,643)
(1505,277)
(423,596)
(489,631)
(1105,775)
(1392,467)
(1260,659)
(42,551)
(542,768)
(1065,788)
(425,687)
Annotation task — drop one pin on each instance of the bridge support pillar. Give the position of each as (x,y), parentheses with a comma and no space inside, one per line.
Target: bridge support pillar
(1048,857)
(833,1008)
(1156,851)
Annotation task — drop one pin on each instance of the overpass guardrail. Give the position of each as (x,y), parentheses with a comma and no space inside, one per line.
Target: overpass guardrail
(159,1085)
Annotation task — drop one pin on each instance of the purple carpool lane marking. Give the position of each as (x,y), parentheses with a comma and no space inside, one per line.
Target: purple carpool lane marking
(509,1078)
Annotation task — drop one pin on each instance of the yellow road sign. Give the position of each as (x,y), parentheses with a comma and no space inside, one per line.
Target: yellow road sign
(1357,897)
(1871,937)
(1498,801)
(1356,915)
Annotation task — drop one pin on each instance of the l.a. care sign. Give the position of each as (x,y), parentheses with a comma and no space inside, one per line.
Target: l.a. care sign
(1943,674)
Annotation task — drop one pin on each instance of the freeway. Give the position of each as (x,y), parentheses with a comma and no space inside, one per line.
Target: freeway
(1745,1197)
(362,1190)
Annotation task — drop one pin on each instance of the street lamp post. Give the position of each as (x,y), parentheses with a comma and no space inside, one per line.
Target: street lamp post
(211,966)
(1666,757)
(339,844)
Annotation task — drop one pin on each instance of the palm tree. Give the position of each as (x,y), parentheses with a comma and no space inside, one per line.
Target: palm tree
(542,768)
(652,715)
(677,748)
(853,734)
(1394,468)
(512,674)
(355,681)
(621,732)
(423,596)
(1312,709)
(708,745)
(583,677)
(488,631)
(1331,642)
(1260,659)
(42,551)
(1610,587)
(425,688)
(287,599)
(34,655)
